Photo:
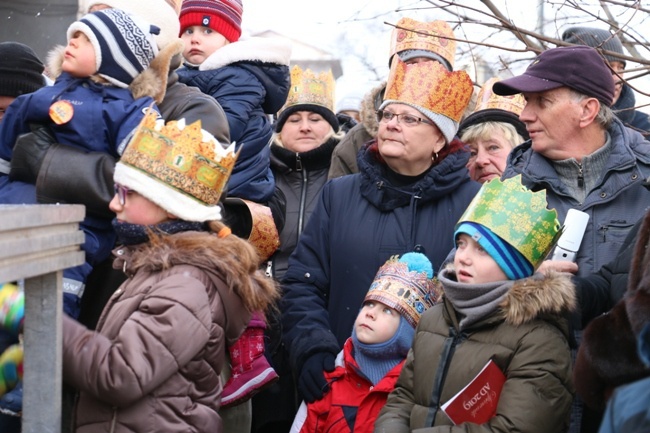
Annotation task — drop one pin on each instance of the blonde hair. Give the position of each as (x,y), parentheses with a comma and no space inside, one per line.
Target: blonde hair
(485,131)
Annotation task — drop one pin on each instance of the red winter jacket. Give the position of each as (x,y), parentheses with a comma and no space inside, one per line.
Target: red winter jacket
(352,404)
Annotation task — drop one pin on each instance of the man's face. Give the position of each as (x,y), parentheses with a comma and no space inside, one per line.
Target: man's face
(618,68)
(552,119)
(5,101)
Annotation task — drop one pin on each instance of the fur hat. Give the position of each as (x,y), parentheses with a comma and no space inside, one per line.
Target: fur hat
(123,43)
(595,38)
(407,285)
(158,12)
(21,71)
(222,16)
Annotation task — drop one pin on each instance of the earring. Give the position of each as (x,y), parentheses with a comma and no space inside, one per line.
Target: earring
(434,157)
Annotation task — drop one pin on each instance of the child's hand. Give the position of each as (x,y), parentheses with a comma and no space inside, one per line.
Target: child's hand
(12,308)
(11,368)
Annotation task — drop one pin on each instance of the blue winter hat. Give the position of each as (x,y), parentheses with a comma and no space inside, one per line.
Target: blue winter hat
(124,44)
(511,261)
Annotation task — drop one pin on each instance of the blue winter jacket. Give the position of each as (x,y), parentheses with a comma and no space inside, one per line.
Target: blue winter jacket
(615,204)
(360,221)
(249,79)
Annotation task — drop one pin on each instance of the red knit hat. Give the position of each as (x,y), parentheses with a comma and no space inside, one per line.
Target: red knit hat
(222,16)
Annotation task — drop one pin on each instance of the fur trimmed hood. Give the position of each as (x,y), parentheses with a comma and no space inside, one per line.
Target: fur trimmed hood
(150,82)
(213,255)
(369,104)
(265,50)
(552,293)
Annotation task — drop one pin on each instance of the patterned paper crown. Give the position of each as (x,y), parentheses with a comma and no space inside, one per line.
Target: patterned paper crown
(436,36)
(517,215)
(487,99)
(308,87)
(431,86)
(411,293)
(182,168)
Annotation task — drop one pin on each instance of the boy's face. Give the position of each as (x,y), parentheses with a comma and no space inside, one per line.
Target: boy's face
(79,58)
(473,264)
(376,323)
(133,208)
(200,42)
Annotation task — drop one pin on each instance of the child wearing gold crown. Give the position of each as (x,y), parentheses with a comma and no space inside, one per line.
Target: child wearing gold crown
(372,358)
(154,362)
(494,308)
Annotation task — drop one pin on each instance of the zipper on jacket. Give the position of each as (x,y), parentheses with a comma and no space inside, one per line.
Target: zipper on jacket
(448,350)
(113,420)
(303,196)
(581,177)
(414,210)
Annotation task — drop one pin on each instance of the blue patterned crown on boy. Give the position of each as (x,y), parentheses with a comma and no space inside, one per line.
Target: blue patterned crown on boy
(407,285)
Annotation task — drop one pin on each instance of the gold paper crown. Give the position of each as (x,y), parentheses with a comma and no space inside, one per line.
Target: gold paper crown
(436,36)
(185,157)
(308,87)
(411,293)
(517,215)
(431,86)
(487,99)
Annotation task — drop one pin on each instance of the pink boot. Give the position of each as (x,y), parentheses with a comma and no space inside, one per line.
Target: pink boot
(251,371)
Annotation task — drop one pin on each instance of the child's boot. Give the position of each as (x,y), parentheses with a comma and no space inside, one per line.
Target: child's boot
(12,308)
(250,369)
(11,373)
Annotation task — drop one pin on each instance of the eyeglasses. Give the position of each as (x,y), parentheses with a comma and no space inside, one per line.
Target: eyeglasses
(407,119)
(121,191)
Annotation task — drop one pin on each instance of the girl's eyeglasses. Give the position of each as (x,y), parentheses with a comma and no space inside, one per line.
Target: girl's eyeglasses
(121,191)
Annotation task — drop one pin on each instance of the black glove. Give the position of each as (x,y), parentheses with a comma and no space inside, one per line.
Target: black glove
(311,383)
(29,152)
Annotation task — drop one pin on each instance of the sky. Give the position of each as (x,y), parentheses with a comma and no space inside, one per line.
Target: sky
(353,29)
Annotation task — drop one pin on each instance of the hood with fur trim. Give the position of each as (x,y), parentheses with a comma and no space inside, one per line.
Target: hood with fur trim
(368,110)
(265,50)
(150,82)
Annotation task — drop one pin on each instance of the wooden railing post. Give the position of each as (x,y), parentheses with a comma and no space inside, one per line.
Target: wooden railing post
(36,243)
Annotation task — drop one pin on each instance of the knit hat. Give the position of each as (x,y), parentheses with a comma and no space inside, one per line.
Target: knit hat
(491,107)
(595,38)
(349,103)
(580,68)
(222,16)
(511,223)
(182,168)
(511,261)
(158,12)
(440,95)
(21,71)
(309,91)
(123,43)
(407,285)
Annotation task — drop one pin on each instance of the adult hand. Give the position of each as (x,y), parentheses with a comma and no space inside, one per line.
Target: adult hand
(311,382)
(29,152)
(558,266)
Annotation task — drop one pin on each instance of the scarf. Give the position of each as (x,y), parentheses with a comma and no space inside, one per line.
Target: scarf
(133,234)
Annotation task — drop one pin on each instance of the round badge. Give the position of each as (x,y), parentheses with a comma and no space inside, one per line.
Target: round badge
(61,112)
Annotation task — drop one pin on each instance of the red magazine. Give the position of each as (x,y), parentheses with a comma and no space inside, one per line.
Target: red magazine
(477,402)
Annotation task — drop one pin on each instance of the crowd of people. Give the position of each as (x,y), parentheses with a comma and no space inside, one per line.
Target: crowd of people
(261,258)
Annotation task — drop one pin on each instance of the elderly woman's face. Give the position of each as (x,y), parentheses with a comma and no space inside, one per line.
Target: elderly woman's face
(304,130)
(408,149)
(488,156)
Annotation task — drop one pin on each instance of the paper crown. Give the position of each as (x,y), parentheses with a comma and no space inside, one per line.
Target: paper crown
(487,99)
(410,292)
(517,215)
(182,168)
(436,36)
(307,87)
(431,86)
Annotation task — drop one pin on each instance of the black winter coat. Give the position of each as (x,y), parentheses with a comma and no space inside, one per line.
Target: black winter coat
(358,223)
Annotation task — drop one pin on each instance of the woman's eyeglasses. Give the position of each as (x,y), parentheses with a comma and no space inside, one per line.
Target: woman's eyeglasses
(121,191)
(406,119)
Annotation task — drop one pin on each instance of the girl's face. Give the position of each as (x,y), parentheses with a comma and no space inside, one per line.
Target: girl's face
(133,208)
(200,42)
(473,264)
(79,57)
(376,322)
(304,130)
